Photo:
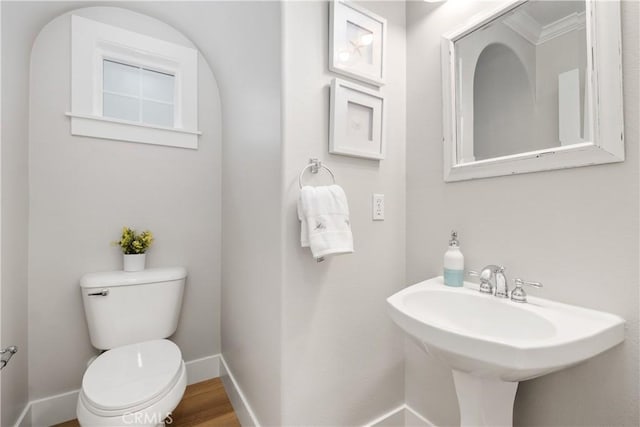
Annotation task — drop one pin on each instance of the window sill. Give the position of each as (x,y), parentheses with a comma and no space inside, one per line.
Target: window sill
(122,130)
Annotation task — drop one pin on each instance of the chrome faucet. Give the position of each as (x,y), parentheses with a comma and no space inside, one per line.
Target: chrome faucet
(502,289)
(487,278)
(492,281)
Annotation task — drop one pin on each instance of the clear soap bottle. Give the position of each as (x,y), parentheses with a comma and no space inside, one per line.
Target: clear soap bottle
(453,263)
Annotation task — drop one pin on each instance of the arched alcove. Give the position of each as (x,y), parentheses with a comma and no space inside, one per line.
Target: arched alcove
(503,104)
(83,190)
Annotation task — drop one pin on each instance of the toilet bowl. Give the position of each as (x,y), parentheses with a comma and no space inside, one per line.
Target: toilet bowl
(133,385)
(141,377)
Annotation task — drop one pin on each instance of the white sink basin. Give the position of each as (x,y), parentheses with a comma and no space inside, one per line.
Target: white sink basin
(490,341)
(494,337)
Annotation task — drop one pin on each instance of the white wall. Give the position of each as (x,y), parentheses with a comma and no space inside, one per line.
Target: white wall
(503,105)
(342,355)
(241,41)
(15,205)
(83,190)
(472,52)
(558,55)
(574,230)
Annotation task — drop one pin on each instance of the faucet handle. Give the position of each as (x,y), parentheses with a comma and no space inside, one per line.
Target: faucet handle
(518,294)
(485,279)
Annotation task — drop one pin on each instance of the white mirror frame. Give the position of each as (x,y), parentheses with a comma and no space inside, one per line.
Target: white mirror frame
(604,78)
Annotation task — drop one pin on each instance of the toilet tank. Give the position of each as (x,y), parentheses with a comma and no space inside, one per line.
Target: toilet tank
(130,307)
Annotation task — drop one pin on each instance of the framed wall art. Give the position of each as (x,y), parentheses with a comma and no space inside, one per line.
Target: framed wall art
(356,121)
(357,41)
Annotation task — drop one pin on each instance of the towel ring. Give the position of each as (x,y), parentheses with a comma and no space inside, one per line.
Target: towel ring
(315,165)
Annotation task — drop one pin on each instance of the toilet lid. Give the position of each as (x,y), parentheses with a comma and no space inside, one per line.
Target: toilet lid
(130,375)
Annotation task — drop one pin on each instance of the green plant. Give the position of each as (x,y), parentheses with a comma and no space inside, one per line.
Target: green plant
(134,243)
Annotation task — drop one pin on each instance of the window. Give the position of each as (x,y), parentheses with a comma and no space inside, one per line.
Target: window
(137,94)
(132,87)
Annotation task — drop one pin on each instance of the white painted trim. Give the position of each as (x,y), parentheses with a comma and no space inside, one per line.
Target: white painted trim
(413,418)
(383,419)
(24,420)
(125,122)
(120,130)
(573,22)
(203,369)
(93,42)
(410,418)
(54,409)
(522,23)
(525,25)
(62,407)
(604,77)
(482,19)
(240,404)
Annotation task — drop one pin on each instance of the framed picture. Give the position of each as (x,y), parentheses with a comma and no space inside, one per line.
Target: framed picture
(357,41)
(356,121)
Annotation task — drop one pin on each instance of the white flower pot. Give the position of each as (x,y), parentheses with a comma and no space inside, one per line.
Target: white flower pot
(134,262)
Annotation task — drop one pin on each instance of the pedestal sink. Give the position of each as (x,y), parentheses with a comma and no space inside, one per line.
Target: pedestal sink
(493,343)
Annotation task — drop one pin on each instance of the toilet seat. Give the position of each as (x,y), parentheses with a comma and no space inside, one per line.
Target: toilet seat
(130,378)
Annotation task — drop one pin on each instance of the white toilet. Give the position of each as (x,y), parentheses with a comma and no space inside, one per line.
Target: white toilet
(142,377)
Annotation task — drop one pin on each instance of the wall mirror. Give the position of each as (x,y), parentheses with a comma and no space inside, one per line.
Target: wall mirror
(534,85)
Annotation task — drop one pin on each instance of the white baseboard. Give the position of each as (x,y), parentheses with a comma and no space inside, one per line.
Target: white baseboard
(414,419)
(24,420)
(402,416)
(393,418)
(54,409)
(203,369)
(239,402)
(62,407)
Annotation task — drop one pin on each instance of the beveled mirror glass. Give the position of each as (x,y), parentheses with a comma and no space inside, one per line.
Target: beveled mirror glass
(532,86)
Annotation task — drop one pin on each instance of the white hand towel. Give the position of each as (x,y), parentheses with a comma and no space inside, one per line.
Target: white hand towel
(304,228)
(324,213)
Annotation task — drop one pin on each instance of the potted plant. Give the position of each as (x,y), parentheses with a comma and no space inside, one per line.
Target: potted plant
(134,247)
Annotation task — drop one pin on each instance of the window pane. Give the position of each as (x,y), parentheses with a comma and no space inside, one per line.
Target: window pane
(121,78)
(121,107)
(157,86)
(155,113)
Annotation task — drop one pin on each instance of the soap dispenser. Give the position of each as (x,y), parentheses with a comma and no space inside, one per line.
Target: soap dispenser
(453,263)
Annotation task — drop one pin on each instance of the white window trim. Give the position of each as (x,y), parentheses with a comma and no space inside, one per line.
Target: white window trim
(92,43)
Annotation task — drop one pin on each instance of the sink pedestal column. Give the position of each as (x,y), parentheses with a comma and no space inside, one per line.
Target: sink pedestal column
(484,401)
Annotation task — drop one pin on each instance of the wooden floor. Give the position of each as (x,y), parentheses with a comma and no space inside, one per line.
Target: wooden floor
(204,404)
